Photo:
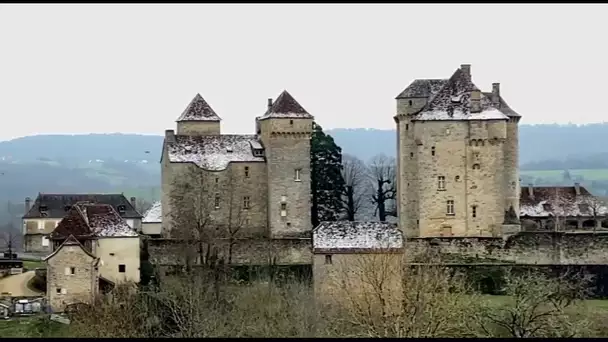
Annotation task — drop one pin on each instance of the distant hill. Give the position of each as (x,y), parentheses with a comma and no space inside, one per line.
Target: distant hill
(130,163)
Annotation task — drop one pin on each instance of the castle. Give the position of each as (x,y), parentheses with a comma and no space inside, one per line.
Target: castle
(263,178)
(457,164)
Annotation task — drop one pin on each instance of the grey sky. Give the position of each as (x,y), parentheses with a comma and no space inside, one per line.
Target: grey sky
(134,68)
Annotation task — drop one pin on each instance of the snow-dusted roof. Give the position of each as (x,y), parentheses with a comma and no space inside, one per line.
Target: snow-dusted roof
(356,236)
(422,88)
(87,219)
(286,106)
(546,201)
(213,152)
(198,110)
(154,214)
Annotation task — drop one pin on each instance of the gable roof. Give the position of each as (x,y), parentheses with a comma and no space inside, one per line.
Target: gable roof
(285,106)
(198,110)
(70,241)
(214,152)
(154,214)
(352,237)
(546,201)
(89,220)
(422,88)
(58,204)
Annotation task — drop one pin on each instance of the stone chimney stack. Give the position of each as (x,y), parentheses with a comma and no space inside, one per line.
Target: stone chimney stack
(133,201)
(531,191)
(269,103)
(475,101)
(496,94)
(28,205)
(466,69)
(577,189)
(170,135)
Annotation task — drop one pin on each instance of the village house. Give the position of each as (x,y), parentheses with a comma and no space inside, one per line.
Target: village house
(561,208)
(43,216)
(346,254)
(152,221)
(105,235)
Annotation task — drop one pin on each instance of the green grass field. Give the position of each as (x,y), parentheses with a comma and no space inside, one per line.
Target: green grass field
(32,327)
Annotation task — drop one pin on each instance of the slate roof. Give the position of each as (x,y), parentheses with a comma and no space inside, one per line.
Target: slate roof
(58,204)
(91,220)
(198,110)
(213,152)
(285,106)
(547,201)
(353,237)
(450,99)
(71,241)
(154,214)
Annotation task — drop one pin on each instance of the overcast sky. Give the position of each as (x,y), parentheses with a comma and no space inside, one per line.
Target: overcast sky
(134,68)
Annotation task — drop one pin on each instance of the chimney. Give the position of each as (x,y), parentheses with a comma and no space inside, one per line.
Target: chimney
(466,69)
(577,189)
(531,191)
(496,94)
(170,135)
(269,103)
(475,101)
(133,201)
(28,204)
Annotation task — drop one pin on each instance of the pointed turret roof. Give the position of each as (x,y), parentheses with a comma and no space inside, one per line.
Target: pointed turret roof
(286,106)
(198,110)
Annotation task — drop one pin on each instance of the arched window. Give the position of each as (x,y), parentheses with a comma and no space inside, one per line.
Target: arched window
(476,166)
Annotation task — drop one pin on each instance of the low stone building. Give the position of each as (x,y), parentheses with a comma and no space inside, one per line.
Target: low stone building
(151,224)
(48,209)
(347,254)
(106,235)
(72,275)
(561,208)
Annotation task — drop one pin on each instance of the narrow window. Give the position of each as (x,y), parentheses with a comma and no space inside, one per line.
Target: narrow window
(217,180)
(72,270)
(411,154)
(407,126)
(246,171)
(441,183)
(40,225)
(283,206)
(291,122)
(122,268)
(58,290)
(474,211)
(457,178)
(45,241)
(297,175)
(217,200)
(328,260)
(450,207)
(433,150)
(246,202)
(410,102)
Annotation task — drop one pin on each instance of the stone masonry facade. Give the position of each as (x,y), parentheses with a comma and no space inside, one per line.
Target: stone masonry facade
(457,158)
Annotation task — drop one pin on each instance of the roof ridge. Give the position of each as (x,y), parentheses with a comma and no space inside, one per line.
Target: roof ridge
(198,110)
(286,106)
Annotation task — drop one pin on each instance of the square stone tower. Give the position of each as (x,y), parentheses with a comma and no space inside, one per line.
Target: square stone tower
(457,162)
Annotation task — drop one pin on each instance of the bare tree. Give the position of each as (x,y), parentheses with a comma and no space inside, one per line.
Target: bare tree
(383,175)
(142,205)
(596,207)
(238,216)
(536,307)
(355,175)
(193,202)
(10,238)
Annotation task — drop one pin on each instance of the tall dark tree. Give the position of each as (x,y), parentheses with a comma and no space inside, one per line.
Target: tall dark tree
(382,173)
(327,184)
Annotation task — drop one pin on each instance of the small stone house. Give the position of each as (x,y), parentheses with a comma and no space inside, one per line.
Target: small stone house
(346,253)
(72,275)
(561,208)
(105,235)
(44,214)
(152,221)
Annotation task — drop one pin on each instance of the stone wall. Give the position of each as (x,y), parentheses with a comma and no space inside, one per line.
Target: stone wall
(32,243)
(527,248)
(245,251)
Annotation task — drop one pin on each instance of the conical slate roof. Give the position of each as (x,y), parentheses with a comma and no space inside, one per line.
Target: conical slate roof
(286,106)
(199,110)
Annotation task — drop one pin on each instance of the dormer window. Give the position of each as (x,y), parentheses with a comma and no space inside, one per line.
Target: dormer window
(546,206)
(67,208)
(43,208)
(229,149)
(121,209)
(258,152)
(188,149)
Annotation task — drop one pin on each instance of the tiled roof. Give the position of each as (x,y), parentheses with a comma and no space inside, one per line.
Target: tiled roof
(154,214)
(58,204)
(198,110)
(546,201)
(286,106)
(92,220)
(213,152)
(360,236)
(422,88)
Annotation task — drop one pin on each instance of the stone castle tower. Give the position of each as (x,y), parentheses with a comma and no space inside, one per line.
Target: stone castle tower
(457,164)
(263,177)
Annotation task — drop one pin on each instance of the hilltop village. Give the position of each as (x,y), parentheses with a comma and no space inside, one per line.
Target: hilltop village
(245,200)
